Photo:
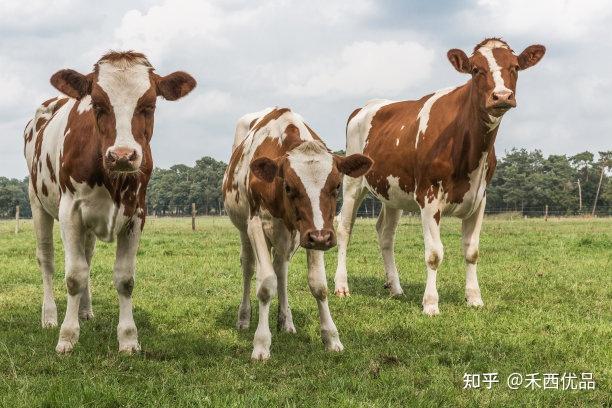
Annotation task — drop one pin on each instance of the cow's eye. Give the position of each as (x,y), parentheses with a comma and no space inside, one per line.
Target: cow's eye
(287,189)
(477,71)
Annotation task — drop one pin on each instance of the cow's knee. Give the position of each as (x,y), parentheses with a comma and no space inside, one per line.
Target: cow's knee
(76,279)
(470,251)
(318,288)
(124,284)
(434,256)
(267,289)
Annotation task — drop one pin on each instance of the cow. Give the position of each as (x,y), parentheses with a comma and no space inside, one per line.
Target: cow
(435,156)
(89,158)
(280,190)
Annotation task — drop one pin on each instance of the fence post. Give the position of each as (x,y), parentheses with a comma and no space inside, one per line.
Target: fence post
(193,214)
(16,219)
(546,213)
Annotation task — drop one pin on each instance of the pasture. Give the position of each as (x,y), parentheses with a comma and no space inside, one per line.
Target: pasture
(548,309)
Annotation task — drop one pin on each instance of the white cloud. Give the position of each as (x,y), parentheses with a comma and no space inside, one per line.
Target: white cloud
(206,104)
(362,68)
(323,58)
(566,20)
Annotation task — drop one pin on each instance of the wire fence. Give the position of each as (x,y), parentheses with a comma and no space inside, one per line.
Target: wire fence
(371,211)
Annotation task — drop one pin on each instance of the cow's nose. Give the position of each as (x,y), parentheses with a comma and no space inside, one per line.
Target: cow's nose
(122,154)
(122,159)
(502,100)
(321,239)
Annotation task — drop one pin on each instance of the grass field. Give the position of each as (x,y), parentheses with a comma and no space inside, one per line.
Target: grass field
(547,288)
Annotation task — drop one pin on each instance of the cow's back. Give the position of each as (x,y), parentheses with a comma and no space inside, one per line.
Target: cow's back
(43,143)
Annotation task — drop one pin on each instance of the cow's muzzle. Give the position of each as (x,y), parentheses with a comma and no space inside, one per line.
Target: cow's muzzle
(122,160)
(500,102)
(323,239)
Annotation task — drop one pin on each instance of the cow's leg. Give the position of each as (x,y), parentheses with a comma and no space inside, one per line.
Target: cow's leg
(77,274)
(43,225)
(434,252)
(318,287)
(386,226)
(123,278)
(85,310)
(470,229)
(353,194)
(266,289)
(247,262)
(281,268)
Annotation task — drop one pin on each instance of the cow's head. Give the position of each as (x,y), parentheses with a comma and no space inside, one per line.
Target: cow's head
(308,178)
(494,68)
(121,93)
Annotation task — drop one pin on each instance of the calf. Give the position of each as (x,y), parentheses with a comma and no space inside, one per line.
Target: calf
(280,191)
(435,155)
(89,160)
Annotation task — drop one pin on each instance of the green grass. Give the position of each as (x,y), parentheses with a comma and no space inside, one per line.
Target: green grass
(546,286)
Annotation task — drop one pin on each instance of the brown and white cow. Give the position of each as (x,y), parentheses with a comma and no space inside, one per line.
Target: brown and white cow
(280,191)
(90,161)
(435,155)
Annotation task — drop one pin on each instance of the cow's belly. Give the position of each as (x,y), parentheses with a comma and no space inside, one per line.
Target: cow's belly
(397,197)
(96,210)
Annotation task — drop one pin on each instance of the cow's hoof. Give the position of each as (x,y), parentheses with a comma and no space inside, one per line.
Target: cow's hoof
(49,317)
(64,347)
(86,314)
(475,302)
(49,322)
(287,326)
(394,290)
(342,291)
(260,354)
(243,324)
(334,346)
(285,322)
(431,310)
(129,347)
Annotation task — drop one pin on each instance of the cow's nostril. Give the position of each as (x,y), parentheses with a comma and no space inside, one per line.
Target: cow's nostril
(111,156)
(495,97)
(511,96)
(133,156)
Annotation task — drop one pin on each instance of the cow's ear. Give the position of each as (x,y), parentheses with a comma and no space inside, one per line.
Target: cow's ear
(355,165)
(264,169)
(459,60)
(72,83)
(175,85)
(531,56)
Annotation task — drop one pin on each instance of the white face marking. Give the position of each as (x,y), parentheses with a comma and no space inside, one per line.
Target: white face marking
(84,104)
(423,116)
(124,86)
(313,170)
(487,52)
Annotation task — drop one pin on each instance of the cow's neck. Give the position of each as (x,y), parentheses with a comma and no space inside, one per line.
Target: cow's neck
(480,129)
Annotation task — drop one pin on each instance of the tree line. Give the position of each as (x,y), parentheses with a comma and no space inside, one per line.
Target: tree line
(525,181)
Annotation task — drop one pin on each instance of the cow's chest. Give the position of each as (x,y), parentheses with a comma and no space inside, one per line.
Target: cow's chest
(95,209)
(471,199)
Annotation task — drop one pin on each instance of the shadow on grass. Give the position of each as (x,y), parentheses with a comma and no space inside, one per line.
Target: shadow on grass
(413,291)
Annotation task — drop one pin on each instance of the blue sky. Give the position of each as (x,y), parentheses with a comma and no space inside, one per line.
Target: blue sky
(321,58)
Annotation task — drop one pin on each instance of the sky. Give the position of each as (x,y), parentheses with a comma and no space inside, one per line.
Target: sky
(321,58)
